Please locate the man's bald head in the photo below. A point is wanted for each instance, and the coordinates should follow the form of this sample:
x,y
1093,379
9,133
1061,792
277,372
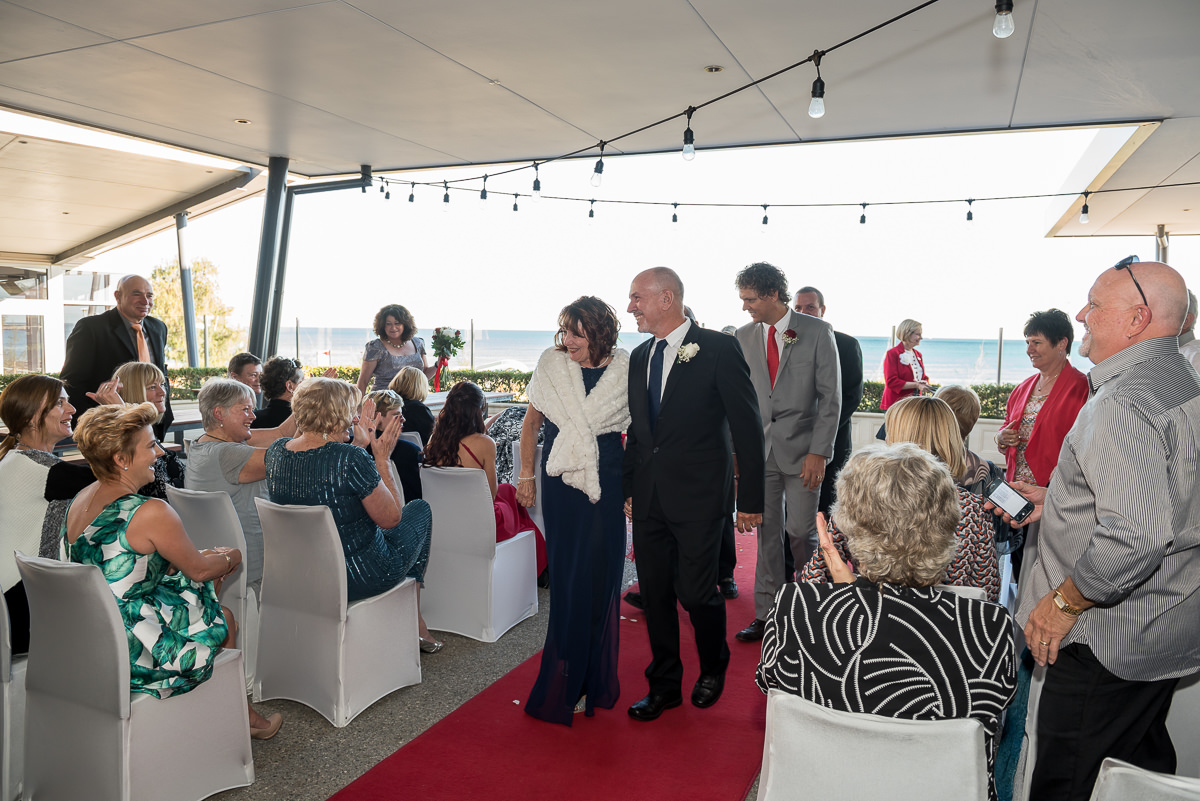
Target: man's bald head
x,y
1166,293
1115,316
656,301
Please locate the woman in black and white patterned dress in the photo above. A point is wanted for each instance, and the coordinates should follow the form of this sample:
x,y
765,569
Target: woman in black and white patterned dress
x,y
885,641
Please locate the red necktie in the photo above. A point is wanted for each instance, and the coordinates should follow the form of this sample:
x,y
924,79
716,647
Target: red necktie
x,y
772,354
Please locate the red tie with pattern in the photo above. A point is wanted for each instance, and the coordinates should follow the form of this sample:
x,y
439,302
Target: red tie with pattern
x,y
772,354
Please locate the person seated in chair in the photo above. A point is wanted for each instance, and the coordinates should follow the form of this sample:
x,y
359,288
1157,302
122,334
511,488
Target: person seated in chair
x,y
163,586
384,541
459,440
142,382
887,641
405,455
412,385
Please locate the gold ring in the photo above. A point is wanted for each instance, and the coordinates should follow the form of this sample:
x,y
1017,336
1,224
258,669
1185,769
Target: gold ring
x,y
1043,642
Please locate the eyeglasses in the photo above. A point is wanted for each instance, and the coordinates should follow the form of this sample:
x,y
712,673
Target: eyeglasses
x,y
1127,264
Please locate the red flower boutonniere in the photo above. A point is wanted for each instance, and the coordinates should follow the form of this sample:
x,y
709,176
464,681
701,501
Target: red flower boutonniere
x,y
789,337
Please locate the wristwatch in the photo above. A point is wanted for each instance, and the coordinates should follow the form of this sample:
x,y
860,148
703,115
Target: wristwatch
x,y
1062,604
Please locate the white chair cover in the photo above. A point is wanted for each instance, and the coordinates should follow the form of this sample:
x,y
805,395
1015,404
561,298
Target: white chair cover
x,y
413,437
807,753
314,647
535,511
474,586
210,521
12,697
79,706
1183,723
977,593
1120,781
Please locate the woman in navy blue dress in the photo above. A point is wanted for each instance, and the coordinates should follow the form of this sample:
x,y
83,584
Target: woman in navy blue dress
x,y
580,389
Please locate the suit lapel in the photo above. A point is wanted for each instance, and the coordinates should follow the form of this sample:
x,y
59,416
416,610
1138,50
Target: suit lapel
x,y
786,322
678,367
756,352
116,324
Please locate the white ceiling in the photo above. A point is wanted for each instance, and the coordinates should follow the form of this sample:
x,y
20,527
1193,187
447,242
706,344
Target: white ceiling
x,y
338,83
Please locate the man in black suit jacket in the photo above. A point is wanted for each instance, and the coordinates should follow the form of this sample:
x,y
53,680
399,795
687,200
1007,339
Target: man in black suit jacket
x,y
100,344
809,300
678,481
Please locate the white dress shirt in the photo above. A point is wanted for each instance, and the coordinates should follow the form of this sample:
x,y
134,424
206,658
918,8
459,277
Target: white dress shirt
x,y
670,355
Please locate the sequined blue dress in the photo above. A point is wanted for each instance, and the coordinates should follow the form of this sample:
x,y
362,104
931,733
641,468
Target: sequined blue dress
x,y
586,552
339,476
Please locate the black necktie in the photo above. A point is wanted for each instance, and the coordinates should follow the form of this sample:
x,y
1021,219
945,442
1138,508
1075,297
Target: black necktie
x,y
654,387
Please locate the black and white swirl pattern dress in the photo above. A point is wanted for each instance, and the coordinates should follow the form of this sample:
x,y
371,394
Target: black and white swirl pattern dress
x,y
894,651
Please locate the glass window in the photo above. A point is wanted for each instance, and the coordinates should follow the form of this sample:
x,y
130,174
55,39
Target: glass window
x,y
84,286
24,343
18,283
73,314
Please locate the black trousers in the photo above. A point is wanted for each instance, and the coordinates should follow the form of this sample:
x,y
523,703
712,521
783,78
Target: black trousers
x,y
677,561
1086,714
727,559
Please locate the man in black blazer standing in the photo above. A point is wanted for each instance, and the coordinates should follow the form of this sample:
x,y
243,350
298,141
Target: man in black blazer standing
x,y
689,392
100,344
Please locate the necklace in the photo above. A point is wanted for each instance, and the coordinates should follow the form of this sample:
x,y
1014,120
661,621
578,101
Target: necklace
x,y
214,436
1042,388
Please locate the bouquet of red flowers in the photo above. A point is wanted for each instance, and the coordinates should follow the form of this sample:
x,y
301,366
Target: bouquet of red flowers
x,y
447,342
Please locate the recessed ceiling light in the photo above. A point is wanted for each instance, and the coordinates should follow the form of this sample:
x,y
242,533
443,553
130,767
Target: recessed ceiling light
x,y
66,212
494,83
714,68
242,122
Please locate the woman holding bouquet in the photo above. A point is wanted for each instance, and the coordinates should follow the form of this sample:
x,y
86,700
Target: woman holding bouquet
x,y
396,346
903,368
581,389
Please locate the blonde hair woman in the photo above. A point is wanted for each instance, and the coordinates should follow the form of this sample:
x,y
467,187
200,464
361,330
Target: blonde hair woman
x,y
412,385
903,366
405,455
385,542
930,424
142,382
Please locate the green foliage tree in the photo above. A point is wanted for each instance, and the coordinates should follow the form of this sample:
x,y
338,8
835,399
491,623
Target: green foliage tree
x,y
224,339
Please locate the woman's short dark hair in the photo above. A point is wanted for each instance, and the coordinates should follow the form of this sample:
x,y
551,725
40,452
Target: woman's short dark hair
x,y
461,416
765,279
277,371
598,323
1052,324
402,315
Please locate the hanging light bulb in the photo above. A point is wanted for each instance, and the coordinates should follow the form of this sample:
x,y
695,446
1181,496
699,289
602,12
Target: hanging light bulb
x,y
537,184
412,190
387,195
445,197
1083,213
675,214
689,141
514,202
764,222
1003,27
483,194
863,219
598,172
816,107
970,216
382,184
591,209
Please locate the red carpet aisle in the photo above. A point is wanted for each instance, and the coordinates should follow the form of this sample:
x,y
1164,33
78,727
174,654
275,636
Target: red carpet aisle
x,y
489,749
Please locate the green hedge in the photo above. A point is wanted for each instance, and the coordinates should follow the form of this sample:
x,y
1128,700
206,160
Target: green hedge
x,y
992,397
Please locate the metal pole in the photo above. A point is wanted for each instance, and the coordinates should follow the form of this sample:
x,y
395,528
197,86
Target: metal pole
x,y
206,341
285,235
185,284
297,339
268,253
472,344
1162,244
1000,357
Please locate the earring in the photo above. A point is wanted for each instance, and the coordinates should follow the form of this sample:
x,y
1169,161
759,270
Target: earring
x,y
126,467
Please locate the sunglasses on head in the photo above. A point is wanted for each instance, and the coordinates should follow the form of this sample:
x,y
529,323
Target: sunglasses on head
x,y
1127,264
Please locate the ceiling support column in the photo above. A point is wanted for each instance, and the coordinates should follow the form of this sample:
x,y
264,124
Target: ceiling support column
x,y
285,234
185,287
261,320
1162,244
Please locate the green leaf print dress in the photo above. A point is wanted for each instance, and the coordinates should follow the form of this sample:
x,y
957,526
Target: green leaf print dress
x,y
174,625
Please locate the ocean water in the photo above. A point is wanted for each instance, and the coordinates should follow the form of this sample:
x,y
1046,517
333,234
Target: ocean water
x,y
960,361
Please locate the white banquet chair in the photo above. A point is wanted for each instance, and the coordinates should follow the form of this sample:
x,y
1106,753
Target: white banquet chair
x,y
87,736
1183,724
210,521
535,511
474,586
1120,781
12,697
315,647
806,745
413,437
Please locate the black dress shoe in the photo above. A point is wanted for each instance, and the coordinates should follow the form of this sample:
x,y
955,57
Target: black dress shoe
x,y
708,689
634,599
729,588
753,632
653,705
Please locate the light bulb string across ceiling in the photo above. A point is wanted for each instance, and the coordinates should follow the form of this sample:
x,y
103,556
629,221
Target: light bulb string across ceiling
x,y
817,54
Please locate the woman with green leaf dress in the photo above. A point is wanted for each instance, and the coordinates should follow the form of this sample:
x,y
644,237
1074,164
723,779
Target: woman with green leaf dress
x,y
164,587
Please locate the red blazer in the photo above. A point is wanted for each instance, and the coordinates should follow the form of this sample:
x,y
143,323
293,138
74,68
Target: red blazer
x,y
896,374
1050,428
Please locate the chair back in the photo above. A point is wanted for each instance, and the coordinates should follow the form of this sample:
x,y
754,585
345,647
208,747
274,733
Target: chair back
x,y
1183,724
1120,781
806,747
976,593
294,539
5,642
464,519
413,437
211,521
535,511
77,646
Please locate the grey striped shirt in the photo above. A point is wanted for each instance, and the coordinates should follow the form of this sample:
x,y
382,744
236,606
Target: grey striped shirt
x,y
1122,516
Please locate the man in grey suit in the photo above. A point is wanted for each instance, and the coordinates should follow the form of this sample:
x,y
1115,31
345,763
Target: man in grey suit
x,y
793,361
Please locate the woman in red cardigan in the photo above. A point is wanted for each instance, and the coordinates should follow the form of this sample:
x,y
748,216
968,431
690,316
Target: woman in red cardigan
x,y
903,367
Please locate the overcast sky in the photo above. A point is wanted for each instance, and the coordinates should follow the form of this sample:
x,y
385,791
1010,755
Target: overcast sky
x,y
351,252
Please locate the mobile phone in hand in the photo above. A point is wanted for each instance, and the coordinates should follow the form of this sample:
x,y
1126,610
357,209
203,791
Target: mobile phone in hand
x,y
1013,503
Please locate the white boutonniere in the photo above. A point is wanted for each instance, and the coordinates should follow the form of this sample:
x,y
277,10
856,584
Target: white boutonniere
x,y
789,337
686,352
